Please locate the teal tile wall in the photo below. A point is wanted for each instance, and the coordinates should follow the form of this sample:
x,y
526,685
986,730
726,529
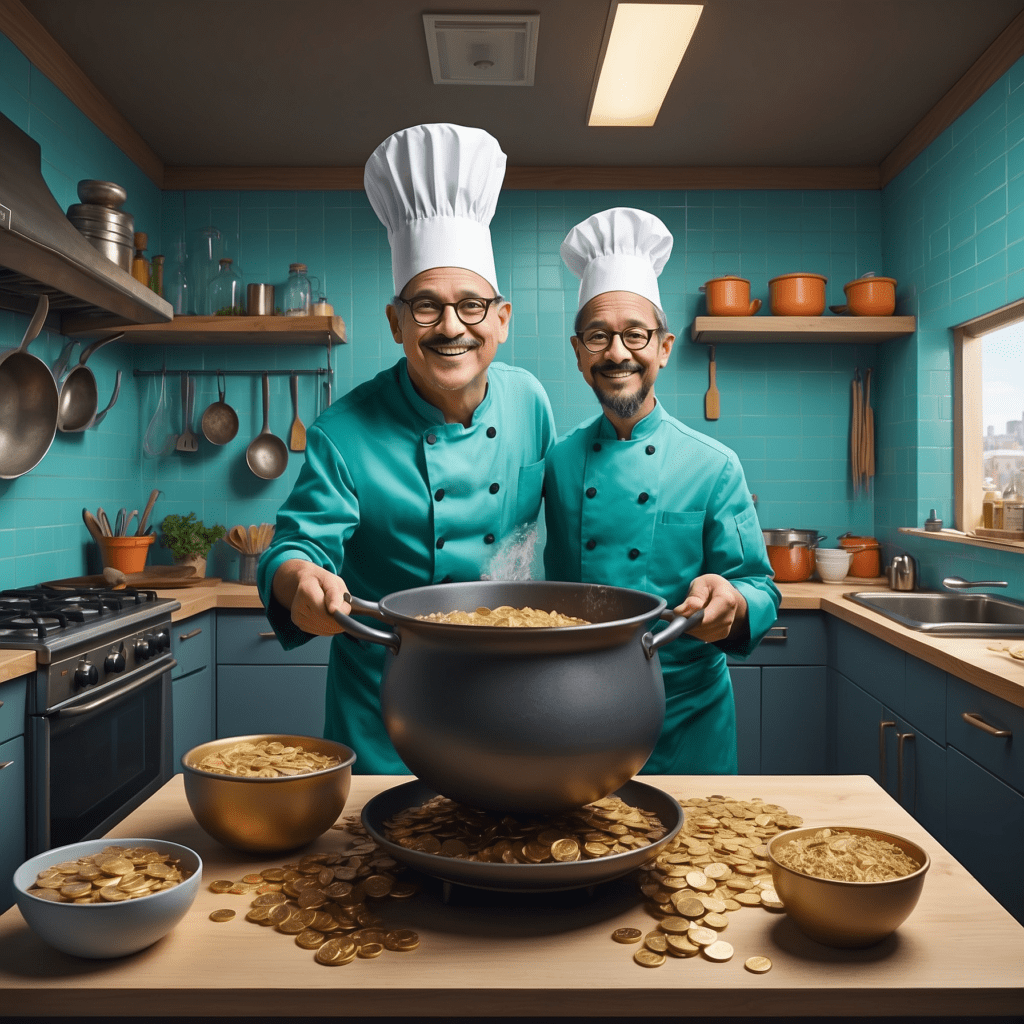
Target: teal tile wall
x,y
953,236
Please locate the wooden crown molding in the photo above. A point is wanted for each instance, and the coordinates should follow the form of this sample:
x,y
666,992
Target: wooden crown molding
x,y
29,36
46,54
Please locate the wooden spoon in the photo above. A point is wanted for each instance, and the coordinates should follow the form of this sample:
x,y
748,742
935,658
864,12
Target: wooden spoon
x,y
297,438
238,539
711,399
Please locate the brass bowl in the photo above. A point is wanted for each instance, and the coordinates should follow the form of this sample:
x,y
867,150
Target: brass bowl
x,y
847,915
268,815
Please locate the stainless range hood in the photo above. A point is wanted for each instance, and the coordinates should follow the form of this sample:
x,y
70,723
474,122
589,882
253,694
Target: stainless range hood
x,y
42,253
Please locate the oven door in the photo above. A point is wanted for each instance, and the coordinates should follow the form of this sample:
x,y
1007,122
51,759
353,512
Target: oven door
x,y
98,756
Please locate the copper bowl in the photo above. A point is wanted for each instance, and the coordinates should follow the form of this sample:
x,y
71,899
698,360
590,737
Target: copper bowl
x,y
871,296
847,915
268,815
797,294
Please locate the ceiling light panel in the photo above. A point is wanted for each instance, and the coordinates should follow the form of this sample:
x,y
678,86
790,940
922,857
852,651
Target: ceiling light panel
x,y
482,49
644,46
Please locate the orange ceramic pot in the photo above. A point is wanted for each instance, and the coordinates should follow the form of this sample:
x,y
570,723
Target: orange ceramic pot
x,y
797,295
729,296
871,296
866,551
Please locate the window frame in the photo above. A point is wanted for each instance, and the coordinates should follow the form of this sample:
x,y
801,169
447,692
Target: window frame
x,y
968,461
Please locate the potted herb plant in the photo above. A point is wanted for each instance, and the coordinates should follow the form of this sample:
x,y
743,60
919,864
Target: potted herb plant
x,y
189,541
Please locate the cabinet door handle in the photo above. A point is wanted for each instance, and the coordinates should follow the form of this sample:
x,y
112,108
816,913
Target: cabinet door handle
x,y
901,737
882,726
188,636
973,718
267,636
776,633
6,764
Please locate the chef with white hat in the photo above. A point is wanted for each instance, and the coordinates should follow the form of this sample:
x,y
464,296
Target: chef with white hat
x,y
635,498
416,476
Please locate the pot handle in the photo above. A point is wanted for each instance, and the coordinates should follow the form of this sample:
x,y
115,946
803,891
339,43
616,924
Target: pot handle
x,y
391,641
652,641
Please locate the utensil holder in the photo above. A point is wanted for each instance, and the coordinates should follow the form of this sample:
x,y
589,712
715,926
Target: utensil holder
x,y
247,563
128,554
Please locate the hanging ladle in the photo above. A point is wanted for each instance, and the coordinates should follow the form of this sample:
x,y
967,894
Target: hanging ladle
x,y
267,454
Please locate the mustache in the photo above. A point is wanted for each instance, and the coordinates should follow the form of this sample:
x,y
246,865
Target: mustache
x,y
440,339
630,365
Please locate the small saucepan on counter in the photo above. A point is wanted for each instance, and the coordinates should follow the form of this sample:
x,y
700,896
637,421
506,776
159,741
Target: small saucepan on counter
x,y
791,553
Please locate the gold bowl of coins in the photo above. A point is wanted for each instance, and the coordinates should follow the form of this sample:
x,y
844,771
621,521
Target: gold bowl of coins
x,y
267,793
846,886
105,898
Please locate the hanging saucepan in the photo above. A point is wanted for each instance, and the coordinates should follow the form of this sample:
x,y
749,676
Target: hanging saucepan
x,y
791,553
220,421
28,403
78,395
522,720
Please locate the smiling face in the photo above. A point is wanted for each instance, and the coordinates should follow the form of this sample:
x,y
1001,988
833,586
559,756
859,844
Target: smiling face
x,y
448,361
623,380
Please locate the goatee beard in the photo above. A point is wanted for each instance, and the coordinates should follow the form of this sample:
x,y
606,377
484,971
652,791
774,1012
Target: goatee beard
x,y
624,406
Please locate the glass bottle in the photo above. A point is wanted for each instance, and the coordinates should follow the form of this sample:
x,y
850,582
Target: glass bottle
x,y
176,290
298,294
206,246
140,265
227,296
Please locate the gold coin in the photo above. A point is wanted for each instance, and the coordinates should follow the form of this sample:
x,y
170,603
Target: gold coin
x,y
53,895
369,950
112,894
378,886
362,936
401,940
716,921
252,879
222,915
717,870
648,958
565,850
627,935
702,936
680,945
335,953
596,849
655,941
719,951
258,914
403,890
221,885
279,913
748,899
691,907
309,938
269,899
758,964
770,898
75,889
116,866
158,870
731,904
674,925
712,903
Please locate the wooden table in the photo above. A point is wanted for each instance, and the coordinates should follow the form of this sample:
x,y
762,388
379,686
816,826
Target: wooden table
x,y
958,954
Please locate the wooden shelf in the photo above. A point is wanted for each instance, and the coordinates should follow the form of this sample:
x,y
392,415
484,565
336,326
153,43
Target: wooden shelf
x,y
855,330
977,540
235,330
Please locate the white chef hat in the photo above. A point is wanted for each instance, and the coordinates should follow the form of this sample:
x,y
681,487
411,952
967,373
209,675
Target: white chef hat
x,y
618,250
435,187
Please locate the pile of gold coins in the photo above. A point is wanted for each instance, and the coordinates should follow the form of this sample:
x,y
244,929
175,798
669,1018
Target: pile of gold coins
x,y
116,873
327,901
265,759
716,865
506,615
600,829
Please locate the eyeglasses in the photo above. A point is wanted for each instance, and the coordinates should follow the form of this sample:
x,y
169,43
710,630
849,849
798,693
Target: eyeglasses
x,y
634,338
427,312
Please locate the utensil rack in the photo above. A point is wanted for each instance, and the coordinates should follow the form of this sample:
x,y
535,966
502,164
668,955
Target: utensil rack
x,y
319,372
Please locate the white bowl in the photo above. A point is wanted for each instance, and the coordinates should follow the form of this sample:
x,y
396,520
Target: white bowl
x,y
832,564
101,930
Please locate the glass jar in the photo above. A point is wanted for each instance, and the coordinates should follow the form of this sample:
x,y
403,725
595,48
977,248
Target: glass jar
x,y
992,497
176,281
298,293
227,296
206,246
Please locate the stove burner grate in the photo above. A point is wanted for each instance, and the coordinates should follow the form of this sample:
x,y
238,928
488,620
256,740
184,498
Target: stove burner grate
x,y
44,611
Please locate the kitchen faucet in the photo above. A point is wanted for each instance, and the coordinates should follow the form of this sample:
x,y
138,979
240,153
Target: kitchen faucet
x,y
959,583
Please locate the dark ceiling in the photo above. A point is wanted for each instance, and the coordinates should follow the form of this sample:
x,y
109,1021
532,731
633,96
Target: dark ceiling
x,y
321,82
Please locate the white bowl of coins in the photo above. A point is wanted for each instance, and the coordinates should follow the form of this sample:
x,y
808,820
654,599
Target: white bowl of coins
x,y
267,793
107,897
847,886
521,697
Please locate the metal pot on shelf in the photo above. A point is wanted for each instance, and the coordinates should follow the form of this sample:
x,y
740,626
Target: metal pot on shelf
x,y
791,553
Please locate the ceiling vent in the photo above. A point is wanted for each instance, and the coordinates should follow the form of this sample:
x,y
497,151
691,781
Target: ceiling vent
x,y
482,49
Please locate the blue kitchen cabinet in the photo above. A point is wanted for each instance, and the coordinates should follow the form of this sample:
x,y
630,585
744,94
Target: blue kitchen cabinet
x,y
985,789
12,784
780,693
262,688
193,683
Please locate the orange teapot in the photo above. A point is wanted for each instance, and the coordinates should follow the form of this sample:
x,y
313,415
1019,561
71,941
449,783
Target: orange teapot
x,y
729,296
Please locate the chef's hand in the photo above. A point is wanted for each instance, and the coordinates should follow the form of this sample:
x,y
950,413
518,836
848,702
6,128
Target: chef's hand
x,y
312,595
725,608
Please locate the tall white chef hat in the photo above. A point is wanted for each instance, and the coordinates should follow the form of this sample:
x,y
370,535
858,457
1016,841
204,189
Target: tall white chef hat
x,y
618,250
435,187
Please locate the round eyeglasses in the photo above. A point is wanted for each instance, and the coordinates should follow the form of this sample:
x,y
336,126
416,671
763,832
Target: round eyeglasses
x,y
427,312
634,338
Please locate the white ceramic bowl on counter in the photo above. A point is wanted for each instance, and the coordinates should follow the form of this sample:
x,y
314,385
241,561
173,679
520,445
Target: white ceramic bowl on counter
x,y
102,930
832,564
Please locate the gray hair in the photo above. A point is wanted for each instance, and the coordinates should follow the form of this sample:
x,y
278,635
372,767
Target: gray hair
x,y
659,318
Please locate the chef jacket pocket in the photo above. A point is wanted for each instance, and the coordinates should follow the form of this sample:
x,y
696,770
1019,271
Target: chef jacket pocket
x,y
678,552
750,536
531,481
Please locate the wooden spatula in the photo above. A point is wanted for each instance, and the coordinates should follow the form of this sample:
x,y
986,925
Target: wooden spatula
x,y
711,403
297,438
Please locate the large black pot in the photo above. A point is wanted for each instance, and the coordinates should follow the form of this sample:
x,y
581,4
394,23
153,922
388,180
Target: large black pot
x,y
522,720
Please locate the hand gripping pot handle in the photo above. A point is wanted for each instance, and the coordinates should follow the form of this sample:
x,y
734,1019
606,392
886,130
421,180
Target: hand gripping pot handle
x,y
391,641
680,624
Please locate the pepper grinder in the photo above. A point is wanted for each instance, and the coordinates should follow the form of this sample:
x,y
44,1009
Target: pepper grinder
x,y
933,524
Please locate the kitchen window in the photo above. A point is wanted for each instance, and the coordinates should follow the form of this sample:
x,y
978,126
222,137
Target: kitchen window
x,y
988,408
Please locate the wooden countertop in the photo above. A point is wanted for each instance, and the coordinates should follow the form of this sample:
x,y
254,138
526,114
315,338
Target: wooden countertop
x,y
959,953
994,671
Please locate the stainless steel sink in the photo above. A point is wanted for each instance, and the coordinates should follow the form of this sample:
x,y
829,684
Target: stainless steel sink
x,y
940,614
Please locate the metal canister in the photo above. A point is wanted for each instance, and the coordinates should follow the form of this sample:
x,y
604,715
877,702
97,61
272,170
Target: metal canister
x,y
109,231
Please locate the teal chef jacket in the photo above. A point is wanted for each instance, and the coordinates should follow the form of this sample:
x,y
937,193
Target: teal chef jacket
x,y
390,498
652,513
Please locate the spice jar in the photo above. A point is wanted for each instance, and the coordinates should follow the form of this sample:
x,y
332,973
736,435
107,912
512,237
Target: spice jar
x,y
226,297
298,293
992,498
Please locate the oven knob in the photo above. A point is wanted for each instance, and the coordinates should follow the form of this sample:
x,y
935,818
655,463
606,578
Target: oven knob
x,y
86,674
142,650
114,662
159,641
